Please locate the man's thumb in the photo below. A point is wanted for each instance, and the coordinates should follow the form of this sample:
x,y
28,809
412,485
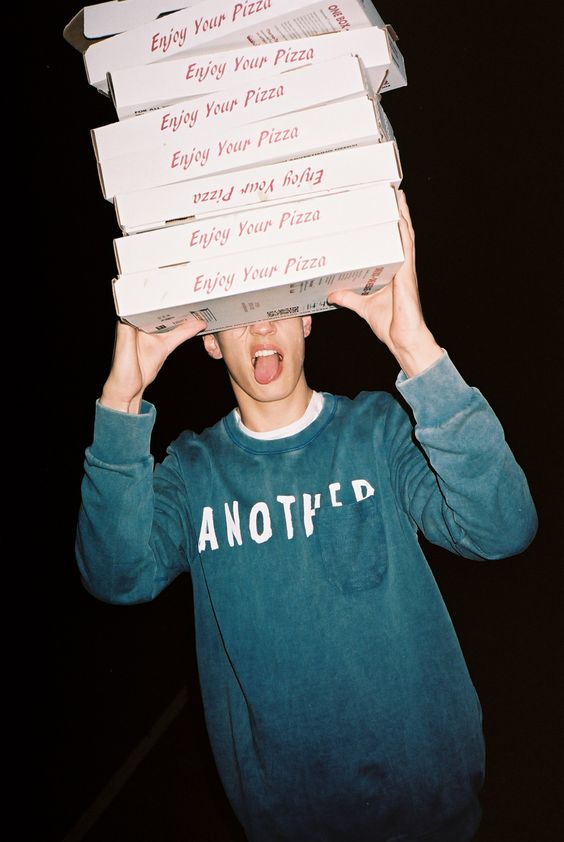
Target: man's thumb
x,y
346,298
185,330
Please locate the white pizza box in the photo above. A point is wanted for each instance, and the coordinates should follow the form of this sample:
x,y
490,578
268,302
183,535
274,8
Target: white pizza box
x,y
354,122
317,174
215,195
208,115
114,16
275,282
224,24
135,90
257,227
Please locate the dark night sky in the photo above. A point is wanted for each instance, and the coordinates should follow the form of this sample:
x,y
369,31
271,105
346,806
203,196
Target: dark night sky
x,y
479,134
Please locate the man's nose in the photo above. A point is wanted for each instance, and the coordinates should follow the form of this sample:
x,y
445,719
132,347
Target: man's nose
x,y
263,328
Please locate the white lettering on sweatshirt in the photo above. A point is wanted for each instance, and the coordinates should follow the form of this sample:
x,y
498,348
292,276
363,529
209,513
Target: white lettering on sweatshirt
x,y
258,524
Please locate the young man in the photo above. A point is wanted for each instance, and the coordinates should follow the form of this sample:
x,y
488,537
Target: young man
x,y
338,703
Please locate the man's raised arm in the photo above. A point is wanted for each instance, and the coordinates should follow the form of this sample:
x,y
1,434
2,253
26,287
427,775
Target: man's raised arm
x,y
132,538
462,487
138,358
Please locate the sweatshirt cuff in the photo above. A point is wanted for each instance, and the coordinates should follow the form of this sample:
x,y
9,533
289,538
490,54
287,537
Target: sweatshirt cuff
x,y
120,438
437,394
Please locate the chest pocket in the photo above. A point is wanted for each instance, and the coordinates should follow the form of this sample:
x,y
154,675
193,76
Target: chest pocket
x,y
351,542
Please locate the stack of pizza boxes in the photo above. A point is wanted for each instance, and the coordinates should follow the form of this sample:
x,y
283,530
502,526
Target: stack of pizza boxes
x,y
252,168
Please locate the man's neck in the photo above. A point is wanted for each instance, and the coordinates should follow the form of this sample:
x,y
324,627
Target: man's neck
x,y
262,416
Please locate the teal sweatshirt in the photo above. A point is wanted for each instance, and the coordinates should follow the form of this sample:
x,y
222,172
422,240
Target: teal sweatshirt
x,y
338,702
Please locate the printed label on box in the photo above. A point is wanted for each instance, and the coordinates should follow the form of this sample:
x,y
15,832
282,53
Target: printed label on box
x,y
334,79
313,217
272,304
198,285
352,122
139,89
233,24
202,197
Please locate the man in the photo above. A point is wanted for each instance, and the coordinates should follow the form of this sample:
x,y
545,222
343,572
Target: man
x,y
337,700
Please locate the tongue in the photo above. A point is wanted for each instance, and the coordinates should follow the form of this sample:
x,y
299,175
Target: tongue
x,y
267,368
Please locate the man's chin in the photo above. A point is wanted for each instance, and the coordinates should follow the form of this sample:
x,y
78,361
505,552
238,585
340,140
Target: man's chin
x,y
270,392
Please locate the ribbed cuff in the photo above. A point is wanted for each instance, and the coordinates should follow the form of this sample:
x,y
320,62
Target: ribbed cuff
x,y
120,438
437,394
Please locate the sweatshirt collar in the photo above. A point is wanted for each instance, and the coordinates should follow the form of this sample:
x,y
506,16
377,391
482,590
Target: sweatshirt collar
x,y
287,443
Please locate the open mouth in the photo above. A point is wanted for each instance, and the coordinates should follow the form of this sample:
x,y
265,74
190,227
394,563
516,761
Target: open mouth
x,y
267,364
266,353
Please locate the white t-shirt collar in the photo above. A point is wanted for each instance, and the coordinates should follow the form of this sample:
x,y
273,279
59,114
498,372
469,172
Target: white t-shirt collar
x,y
314,407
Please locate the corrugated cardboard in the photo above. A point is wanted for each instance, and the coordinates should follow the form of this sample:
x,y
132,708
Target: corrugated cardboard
x,y
268,283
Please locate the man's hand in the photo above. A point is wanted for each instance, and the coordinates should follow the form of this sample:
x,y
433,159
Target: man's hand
x,y
138,358
394,313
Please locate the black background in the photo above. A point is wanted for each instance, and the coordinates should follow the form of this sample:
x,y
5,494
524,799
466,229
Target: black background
x,y
479,133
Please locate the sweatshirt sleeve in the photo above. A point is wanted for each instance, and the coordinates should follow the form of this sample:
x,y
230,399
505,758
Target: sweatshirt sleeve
x,y
462,487
133,536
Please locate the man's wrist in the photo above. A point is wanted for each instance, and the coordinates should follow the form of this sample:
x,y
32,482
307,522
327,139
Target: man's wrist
x,y
419,356
120,404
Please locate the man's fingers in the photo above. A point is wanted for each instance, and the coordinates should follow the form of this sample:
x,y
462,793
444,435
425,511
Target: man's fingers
x,y
406,237
124,331
406,272
404,211
125,338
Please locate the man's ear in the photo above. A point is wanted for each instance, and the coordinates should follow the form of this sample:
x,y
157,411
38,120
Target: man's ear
x,y
306,321
212,346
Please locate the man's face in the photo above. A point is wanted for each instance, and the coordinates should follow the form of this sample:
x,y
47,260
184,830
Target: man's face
x,y
264,360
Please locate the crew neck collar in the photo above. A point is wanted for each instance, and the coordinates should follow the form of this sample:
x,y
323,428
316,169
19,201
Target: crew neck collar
x,y
314,407
287,443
